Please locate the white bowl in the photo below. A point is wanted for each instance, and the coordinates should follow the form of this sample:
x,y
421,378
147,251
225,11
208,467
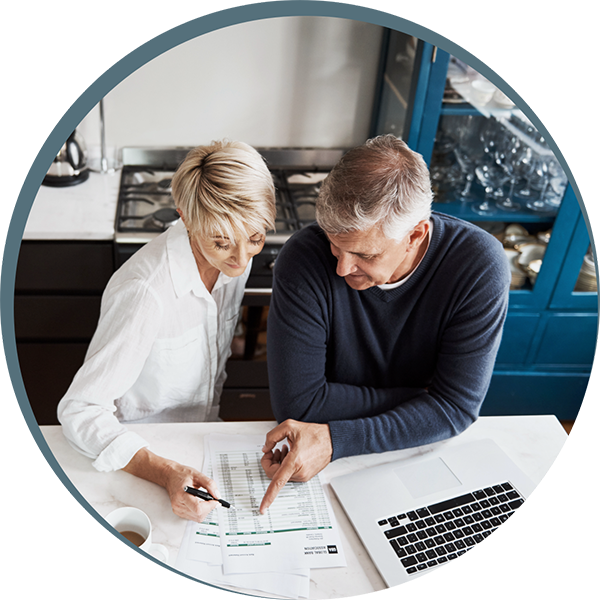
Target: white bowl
x,y
531,252
501,99
482,90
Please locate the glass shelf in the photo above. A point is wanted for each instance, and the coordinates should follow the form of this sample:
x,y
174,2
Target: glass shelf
x,y
463,210
469,109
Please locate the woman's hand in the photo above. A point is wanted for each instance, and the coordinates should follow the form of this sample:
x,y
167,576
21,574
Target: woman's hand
x,y
184,505
174,477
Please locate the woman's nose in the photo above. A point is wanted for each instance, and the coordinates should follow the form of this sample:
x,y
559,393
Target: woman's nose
x,y
242,255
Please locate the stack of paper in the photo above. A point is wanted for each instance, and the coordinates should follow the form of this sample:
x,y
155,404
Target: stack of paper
x,y
271,553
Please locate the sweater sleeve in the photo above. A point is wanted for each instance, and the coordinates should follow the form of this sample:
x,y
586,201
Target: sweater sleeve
x,y
365,419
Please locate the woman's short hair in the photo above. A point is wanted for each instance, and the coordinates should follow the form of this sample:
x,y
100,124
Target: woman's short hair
x,y
225,189
380,183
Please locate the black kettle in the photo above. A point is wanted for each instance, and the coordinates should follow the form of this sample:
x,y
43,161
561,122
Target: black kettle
x,y
69,166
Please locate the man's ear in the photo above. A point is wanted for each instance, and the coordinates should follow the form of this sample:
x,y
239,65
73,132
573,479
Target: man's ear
x,y
418,234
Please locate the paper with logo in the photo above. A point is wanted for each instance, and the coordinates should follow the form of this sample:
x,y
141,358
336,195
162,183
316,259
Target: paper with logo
x,y
200,557
299,530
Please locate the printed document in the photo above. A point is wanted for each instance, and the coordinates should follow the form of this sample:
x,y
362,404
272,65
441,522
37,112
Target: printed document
x,y
299,529
197,560
200,557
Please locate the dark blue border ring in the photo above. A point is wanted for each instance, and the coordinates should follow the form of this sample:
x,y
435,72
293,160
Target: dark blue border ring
x,y
87,100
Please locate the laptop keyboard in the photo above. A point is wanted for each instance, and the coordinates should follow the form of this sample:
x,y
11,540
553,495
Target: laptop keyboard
x,y
432,535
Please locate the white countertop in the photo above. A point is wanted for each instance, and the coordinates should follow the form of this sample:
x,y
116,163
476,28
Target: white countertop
x,y
532,442
85,211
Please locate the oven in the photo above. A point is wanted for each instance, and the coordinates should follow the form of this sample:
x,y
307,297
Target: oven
x,y
145,208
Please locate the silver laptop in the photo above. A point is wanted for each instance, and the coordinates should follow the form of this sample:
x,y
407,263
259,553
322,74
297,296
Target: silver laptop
x,y
417,514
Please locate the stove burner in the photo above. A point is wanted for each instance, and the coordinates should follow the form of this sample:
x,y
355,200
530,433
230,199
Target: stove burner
x,y
165,217
146,204
132,199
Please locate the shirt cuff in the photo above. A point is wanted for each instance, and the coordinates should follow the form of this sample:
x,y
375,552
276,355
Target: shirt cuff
x,y
119,452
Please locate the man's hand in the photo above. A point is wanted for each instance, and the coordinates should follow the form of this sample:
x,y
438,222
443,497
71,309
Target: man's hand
x,y
174,477
309,452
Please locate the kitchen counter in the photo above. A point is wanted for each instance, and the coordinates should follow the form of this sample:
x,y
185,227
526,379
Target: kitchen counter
x,y
532,442
85,211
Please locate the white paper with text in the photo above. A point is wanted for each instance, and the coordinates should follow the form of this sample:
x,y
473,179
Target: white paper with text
x,y
299,530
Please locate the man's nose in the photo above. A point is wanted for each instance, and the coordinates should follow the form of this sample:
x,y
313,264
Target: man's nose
x,y
345,265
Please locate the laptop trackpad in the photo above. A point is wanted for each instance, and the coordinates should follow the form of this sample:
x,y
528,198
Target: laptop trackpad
x,y
428,477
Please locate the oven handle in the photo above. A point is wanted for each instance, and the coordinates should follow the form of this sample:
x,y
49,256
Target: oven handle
x,y
258,291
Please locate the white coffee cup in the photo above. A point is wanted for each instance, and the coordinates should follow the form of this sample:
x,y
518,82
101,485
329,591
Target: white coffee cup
x,y
134,525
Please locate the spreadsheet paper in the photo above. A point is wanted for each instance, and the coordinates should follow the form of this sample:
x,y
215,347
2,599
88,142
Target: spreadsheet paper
x,y
299,529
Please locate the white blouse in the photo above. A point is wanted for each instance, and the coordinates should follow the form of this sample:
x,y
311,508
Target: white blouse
x,y
158,353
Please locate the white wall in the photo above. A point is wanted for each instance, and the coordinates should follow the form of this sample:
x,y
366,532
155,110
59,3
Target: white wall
x,y
289,81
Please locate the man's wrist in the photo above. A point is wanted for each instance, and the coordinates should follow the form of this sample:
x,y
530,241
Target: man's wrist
x,y
329,440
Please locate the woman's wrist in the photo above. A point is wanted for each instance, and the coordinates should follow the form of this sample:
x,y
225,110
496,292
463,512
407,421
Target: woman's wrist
x,y
149,466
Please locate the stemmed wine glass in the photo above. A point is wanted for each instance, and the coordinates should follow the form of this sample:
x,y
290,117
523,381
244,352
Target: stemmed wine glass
x,y
527,168
542,176
468,169
518,164
558,182
444,171
487,176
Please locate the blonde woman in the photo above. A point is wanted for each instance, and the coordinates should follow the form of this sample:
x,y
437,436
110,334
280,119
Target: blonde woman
x,y
167,321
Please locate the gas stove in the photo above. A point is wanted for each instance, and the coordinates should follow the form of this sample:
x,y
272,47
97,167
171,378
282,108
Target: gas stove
x,y
145,206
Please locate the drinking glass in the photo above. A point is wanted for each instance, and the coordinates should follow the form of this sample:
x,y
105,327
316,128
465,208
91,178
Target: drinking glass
x,y
540,179
518,164
467,167
485,174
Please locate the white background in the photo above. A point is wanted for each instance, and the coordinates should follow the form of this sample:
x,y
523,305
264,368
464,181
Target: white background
x,y
41,45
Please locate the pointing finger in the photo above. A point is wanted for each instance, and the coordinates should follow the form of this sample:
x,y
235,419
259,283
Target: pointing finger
x,y
280,478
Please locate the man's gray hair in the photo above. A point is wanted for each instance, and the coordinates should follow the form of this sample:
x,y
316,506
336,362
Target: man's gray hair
x,y
380,183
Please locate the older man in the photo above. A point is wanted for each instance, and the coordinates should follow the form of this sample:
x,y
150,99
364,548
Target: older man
x,y
385,318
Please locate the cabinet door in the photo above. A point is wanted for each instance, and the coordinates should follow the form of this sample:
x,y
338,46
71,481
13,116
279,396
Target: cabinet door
x,y
531,393
402,87
489,165
52,267
577,285
47,370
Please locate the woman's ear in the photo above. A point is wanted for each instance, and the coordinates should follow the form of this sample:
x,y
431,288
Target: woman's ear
x,y
181,215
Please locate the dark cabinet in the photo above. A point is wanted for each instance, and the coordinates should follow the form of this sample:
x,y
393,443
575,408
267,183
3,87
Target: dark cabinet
x,y
58,288
58,292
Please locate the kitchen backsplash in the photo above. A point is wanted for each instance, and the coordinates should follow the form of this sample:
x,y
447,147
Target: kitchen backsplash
x,y
289,81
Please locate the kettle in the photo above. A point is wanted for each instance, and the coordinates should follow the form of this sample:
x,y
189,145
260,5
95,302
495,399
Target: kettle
x,y
69,166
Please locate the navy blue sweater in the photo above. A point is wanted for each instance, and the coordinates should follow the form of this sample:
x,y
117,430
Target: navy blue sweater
x,y
387,369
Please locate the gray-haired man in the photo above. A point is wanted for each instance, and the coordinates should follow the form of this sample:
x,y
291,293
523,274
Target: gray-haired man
x,y
385,318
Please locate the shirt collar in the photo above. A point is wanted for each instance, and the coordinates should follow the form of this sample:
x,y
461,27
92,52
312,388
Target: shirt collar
x,y
391,286
182,264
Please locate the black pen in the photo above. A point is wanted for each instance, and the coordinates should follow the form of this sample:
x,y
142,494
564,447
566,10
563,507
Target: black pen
x,y
206,496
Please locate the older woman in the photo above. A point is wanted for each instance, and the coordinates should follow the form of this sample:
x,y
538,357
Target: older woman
x,y
167,321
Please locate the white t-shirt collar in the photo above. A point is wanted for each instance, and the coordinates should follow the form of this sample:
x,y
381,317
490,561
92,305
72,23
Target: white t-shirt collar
x,y
391,286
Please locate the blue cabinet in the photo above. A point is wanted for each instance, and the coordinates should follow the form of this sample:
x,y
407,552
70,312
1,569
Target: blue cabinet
x,y
491,166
